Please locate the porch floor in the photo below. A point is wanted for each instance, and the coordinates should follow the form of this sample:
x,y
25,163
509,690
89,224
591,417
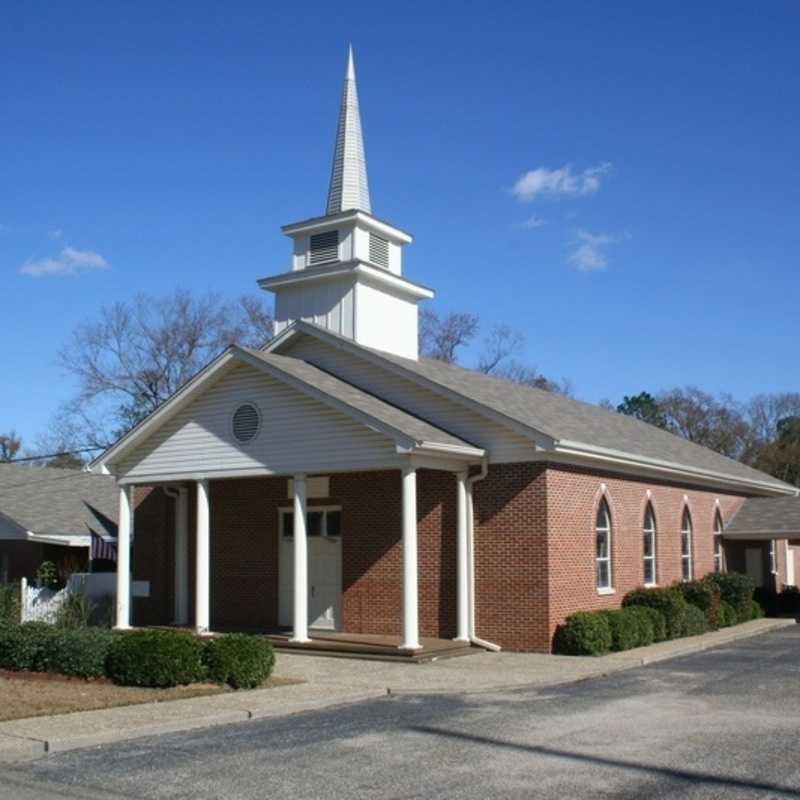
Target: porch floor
x,y
370,646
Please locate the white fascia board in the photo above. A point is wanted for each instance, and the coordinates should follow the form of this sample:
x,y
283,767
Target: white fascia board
x,y
64,540
317,224
164,412
356,269
540,439
622,458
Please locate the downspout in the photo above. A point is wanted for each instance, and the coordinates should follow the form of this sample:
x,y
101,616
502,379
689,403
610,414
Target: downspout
x,y
470,482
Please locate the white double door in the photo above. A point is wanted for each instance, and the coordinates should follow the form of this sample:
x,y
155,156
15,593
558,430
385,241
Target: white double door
x,y
324,582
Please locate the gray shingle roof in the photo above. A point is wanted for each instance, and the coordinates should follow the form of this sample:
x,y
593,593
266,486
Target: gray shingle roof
x,y
413,427
566,419
777,515
58,501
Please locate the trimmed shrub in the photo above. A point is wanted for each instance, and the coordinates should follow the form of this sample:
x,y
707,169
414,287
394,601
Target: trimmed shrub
x,y
705,595
584,634
24,647
727,615
695,621
668,600
241,661
645,620
81,653
624,629
9,603
756,611
735,589
155,658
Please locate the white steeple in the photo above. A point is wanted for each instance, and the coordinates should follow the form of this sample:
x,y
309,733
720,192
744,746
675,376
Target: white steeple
x,y
347,266
349,189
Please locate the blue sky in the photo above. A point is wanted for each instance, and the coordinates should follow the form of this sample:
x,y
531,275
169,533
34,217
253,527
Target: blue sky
x,y
619,181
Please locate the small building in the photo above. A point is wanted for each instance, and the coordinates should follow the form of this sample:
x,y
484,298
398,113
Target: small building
x,y
336,481
64,516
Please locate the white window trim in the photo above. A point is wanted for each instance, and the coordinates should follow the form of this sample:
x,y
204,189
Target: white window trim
x,y
284,510
687,527
607,559
773,557
719,555
654,558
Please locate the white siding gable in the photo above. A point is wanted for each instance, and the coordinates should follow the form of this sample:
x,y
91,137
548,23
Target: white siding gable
x,y
297,433
504,444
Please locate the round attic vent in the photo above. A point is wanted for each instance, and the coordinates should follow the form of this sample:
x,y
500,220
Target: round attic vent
x,y
246,422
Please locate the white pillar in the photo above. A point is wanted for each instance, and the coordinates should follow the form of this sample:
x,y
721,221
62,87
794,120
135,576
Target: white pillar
x,y
202,620
462,560
410,579
300,633
123,620
182,557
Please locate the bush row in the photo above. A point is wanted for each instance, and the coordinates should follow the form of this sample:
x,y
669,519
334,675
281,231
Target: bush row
x,y
140,658
661,613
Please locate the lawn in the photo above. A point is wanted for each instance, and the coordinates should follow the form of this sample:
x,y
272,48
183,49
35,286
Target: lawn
x,y
37,695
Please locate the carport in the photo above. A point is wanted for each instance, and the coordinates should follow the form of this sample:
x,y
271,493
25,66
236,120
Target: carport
x,y
755,535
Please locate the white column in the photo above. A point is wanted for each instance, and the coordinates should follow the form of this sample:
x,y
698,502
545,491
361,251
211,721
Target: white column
x,y
182,557
300,633
462,560
123,620
410,579
202,620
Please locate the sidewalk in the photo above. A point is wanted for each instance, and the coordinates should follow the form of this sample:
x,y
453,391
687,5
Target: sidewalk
x,y
335,681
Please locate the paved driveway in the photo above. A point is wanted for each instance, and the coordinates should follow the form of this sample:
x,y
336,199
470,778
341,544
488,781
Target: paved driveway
x,y
723,723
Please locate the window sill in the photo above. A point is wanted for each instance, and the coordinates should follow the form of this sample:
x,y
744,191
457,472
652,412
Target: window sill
x,y
651,586
606,591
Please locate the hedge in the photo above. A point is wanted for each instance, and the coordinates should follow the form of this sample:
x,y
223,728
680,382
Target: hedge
x,y
24,647
241,661
736,590
647,620
695,621
705,595
727,615
668,600
625,629
80,653
155,658
584,633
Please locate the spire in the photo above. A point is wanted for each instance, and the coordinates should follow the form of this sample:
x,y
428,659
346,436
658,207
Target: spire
x,y
349,189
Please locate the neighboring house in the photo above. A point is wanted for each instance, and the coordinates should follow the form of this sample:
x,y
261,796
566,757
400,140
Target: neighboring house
x,y
337,481
65,516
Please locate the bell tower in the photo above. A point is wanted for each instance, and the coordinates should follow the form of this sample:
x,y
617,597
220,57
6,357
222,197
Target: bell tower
x,y
347,266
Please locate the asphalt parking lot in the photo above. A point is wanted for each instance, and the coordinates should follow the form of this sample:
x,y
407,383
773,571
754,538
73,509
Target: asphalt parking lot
x,y
721,723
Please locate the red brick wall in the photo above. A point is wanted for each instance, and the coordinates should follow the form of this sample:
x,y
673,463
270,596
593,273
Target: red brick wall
x,y
572,499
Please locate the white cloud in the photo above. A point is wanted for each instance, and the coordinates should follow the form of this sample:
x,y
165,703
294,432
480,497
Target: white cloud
x,y
533,222
590,254
69,262
559,182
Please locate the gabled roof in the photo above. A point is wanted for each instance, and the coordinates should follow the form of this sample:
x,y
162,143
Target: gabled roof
x,y
408,431
58,502
766,517
573,425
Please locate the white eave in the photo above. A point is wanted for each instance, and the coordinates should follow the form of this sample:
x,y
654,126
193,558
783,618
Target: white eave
x,y
319,224
62,539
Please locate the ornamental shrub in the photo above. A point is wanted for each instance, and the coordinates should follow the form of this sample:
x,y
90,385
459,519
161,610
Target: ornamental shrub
x,y
241,661
9,603
24,647
624,629
81,652
735,589
658,620
695,621
727,615
705,595
584,633
155,658
645,620
668,600
756,610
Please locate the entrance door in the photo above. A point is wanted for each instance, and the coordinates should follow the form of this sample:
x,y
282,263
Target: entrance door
x,y
324,569
754,564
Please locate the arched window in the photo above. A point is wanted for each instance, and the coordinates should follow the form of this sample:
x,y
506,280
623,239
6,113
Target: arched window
x,y
603,538
718,559
649,530
686,545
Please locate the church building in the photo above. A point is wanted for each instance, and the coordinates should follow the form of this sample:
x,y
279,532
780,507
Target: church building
x,y
335,487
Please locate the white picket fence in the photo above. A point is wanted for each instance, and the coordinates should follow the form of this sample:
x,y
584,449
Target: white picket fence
x,y
39,604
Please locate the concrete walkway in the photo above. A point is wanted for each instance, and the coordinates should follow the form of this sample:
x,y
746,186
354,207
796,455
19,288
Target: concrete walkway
x,y
334,681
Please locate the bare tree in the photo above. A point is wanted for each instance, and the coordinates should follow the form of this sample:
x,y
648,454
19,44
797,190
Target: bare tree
x,y
441,337
138,354
10,444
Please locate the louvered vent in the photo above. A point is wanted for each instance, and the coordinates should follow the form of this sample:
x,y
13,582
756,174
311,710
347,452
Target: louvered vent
x,y
378,251
246,422
324,247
